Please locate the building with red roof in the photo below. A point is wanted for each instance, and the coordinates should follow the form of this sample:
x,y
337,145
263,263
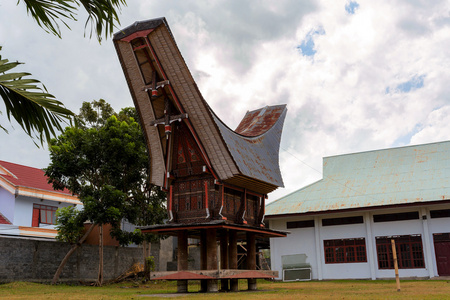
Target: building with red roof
x,y
28,203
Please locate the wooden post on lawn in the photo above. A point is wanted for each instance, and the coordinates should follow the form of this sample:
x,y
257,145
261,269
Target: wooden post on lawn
x,y
394,255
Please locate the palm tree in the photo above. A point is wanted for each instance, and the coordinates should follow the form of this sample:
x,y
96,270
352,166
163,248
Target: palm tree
x,y
26,100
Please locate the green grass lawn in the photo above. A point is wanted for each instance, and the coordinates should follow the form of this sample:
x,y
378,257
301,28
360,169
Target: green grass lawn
x,y
336,289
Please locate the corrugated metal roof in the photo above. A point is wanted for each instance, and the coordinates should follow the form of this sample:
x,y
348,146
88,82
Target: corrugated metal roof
x,y
406,175
257,156
259,121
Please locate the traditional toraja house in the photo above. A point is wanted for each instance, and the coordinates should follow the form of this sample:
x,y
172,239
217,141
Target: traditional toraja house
x,y
217,179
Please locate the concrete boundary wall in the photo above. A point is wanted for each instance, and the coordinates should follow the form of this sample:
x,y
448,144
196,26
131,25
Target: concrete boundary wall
x,y
37,260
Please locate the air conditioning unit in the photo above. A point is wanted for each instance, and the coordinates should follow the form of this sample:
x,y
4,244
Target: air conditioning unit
x,y
297,274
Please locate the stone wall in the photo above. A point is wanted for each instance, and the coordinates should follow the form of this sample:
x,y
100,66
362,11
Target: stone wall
x,y
37,260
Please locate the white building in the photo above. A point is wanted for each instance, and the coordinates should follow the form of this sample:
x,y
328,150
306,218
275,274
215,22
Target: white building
x,y
28,203
342,225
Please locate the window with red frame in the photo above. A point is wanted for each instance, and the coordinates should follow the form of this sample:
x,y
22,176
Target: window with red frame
x,y
409,252
345,251
43,214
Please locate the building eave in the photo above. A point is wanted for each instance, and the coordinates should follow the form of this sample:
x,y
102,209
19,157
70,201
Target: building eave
x,y
25,191
359,209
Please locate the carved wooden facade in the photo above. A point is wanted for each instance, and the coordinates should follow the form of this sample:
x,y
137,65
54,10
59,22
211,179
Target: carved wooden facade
x,y
195,196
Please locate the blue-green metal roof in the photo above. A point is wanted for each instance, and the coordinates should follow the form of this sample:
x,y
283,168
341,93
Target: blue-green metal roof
x,y
406,175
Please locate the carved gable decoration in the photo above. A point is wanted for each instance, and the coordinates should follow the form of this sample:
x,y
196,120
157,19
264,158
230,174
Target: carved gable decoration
x,y
187,160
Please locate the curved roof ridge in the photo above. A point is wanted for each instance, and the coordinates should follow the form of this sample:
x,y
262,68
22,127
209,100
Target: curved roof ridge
x,y
267,128
259,121
256,156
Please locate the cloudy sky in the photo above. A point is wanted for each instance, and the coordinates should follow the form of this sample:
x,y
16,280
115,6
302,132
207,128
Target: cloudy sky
x,y
356,75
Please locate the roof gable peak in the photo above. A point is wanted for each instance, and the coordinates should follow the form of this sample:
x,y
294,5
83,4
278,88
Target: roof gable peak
x,y
5,171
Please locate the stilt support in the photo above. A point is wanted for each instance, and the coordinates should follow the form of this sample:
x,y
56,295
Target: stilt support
x,y
203,260
211,262
251,258
182,285
224,259
233,263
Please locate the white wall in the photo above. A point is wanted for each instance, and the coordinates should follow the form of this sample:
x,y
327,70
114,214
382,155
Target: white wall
x,y
299,241
7,204
439,225
23,212
407,227
303,241
347,270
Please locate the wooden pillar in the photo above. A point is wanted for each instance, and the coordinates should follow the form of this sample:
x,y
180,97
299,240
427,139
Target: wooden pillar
x,y
394,256
224,258
211,254
203,259
182,257
251,258
233,259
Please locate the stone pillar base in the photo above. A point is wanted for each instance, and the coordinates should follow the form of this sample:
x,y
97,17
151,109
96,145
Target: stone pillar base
x,y
182,286
234,285
252,285
224,285
203,285
212,286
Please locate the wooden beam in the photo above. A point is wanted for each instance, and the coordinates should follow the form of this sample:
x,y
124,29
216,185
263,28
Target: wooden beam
x,y
173,118
218,274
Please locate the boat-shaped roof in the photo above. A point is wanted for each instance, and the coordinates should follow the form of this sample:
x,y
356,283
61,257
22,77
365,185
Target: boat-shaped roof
x,y
246,157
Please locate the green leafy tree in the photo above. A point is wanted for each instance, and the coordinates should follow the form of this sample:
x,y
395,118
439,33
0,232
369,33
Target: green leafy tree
x,y
26,100
69,223
95,114
106,165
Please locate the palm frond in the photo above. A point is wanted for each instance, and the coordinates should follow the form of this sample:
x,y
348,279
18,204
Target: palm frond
x,y
102,14
47,13
35,110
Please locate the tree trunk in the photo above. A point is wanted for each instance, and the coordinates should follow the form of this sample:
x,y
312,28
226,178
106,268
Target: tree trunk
x,y
147,251
100,257
146,271
71,251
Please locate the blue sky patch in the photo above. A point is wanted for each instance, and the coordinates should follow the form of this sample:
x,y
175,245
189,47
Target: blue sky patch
x,y
351,7
413,84
307,45
406,139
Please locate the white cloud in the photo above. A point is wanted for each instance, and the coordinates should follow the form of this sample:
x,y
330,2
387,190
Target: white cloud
x,y
435,127
243,55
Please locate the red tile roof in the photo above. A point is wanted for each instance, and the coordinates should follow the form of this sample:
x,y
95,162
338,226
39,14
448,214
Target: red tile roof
x,y
25,176
4,220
